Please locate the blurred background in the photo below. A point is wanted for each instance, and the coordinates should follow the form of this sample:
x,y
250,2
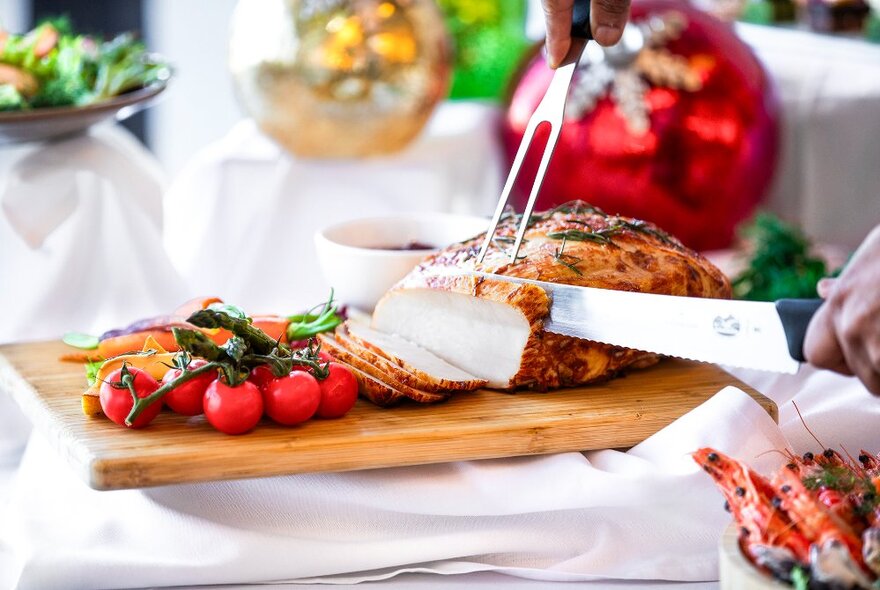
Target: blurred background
x,y
281,118
194,35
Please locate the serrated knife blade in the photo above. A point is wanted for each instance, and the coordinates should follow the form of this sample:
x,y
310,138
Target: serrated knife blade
x,y
757,335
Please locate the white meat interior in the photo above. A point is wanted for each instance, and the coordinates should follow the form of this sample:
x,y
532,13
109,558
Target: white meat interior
x,y
417,357
483,337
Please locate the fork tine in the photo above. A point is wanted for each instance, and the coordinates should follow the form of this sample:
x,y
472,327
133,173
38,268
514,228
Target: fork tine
x,y
550,110
508,185
536,188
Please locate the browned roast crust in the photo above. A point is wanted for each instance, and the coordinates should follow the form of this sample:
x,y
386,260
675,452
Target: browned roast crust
x,y
382,371
620,253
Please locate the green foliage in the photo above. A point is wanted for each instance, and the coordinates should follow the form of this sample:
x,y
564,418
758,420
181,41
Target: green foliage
x,y
307,325
78,69
92,368
489,40
65,80
781,265
10,99
800,578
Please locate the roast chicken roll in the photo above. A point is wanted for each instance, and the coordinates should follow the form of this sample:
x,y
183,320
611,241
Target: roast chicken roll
x,y
493,330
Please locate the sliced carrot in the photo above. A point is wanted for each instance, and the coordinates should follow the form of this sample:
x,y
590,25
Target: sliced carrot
x,y
218,335
194,305
91,405
134,342
274,326
46,42
78,357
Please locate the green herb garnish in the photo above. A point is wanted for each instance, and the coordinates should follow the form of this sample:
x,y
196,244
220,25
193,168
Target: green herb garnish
x,y
602,236
92,368
800,578
560,257
307,325
835,477
781,265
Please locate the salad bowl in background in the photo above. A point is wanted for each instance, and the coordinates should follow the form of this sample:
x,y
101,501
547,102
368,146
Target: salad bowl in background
x,y
55,122
56,82
363,258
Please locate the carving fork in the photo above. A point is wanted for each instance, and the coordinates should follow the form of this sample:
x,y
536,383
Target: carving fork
x,y
550,110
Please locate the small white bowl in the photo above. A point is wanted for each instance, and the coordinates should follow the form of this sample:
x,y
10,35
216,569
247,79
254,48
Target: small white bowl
x,y
359,259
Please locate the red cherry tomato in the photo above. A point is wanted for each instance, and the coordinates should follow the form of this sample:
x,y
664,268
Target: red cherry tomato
x,y
233,410
261,376
116,402
339,392
186,399
293,399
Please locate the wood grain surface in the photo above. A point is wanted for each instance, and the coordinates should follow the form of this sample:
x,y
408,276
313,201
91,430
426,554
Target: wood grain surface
x,y
479,425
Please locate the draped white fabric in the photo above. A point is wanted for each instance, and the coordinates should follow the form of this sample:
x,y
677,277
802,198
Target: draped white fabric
x,y
647,514
240,218
81,236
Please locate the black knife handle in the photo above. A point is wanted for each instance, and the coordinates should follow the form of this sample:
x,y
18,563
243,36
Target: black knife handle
x,y
796,315
580,20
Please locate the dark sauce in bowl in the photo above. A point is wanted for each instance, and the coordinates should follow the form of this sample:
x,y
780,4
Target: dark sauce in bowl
x,y
412,245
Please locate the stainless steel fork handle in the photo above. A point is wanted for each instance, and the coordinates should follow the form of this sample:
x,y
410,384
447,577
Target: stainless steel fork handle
x,y
550,111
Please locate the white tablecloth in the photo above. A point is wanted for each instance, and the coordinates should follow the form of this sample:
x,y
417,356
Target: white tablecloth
x,y
81,236
643,515
80,249
240,218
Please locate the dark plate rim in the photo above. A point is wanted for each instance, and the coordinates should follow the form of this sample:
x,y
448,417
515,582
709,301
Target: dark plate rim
x,y
117,102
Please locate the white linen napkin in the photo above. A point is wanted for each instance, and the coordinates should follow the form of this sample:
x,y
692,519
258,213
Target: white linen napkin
x,y
647,514
80,236
80,249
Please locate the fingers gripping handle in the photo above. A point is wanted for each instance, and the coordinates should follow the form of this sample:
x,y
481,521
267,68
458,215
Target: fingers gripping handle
x,y
580,20
796,315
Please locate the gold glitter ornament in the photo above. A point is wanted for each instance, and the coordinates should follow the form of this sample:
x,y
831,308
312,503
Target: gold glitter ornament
x,y
339,78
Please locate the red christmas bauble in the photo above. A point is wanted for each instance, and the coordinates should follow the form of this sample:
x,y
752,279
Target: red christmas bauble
x,y
684,134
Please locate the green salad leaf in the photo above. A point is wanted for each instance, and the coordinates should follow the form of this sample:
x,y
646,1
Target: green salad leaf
x,y
92,368
71,69
80,340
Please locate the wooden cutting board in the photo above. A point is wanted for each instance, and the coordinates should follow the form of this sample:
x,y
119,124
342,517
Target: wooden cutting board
x,y
479,425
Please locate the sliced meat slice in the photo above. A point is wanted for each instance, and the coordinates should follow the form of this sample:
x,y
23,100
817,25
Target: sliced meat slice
x,y
393,378
407,355
486,338
376,391
418,380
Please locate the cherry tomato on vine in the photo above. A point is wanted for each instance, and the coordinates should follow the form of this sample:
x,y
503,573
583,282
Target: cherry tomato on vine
x,y
261,376
116,401
339,392
186,399
292,399
323,358
233,410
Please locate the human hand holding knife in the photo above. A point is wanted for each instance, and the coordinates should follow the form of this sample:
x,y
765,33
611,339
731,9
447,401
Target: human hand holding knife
x,y
843,334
